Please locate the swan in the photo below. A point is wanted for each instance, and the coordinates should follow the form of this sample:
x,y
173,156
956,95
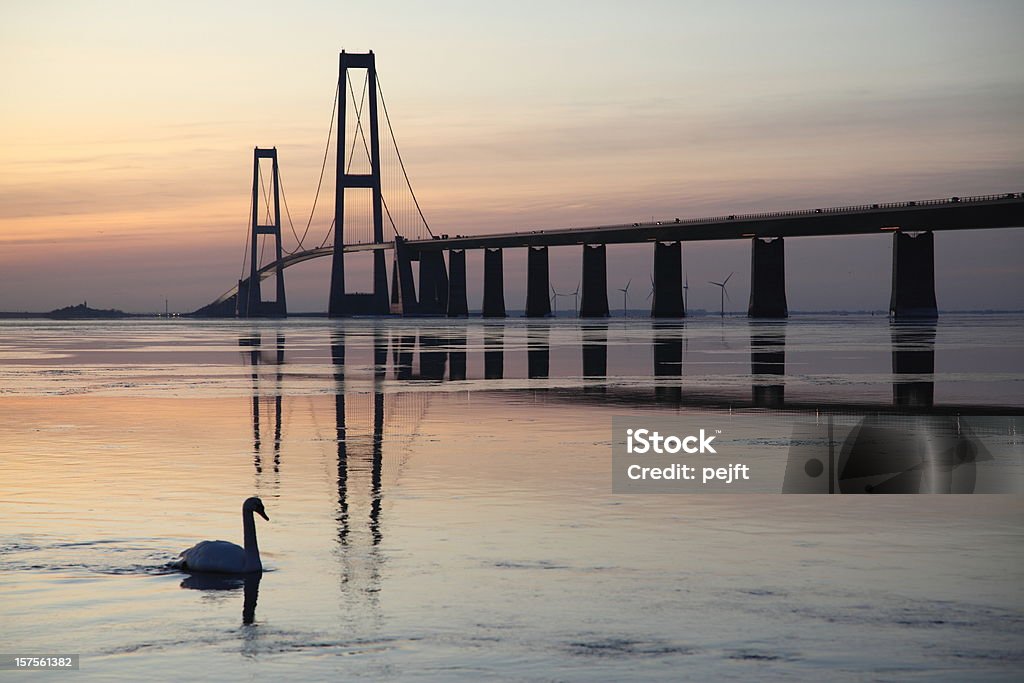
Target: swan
x,y
224,557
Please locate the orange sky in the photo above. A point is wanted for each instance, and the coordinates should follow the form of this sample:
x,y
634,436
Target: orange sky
x,y
127,133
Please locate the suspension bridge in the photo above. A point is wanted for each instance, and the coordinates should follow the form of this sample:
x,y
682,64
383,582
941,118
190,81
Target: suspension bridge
x,y
376,210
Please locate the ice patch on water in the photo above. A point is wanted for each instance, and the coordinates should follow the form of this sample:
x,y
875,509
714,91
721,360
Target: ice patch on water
x,y
119,557
626,647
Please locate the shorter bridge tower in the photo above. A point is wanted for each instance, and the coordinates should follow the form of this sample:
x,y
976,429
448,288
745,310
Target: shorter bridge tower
x,y
250,301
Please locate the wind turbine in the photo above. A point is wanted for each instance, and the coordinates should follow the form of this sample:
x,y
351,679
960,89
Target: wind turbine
x,y
625,294
686,286
555,294
724,293
554,300
576,298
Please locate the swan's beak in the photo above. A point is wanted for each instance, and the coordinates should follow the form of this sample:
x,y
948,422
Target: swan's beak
x,y
263,514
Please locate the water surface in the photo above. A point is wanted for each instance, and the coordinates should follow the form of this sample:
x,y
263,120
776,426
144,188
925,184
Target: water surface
x,y
441,505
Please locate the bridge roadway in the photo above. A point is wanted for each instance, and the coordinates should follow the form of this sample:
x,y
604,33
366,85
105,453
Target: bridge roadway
x,y
988,211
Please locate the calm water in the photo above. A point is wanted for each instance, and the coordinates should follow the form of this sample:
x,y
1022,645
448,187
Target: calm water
x,y
441,507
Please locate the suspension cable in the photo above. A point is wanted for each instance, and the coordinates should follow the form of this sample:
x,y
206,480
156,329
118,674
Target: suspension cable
x,y
400,162
366,147
323,166
359,127
266,197
288,213
248,229
330,231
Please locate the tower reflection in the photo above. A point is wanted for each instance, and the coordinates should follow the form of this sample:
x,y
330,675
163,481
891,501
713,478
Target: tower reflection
x,y
257,357
358,455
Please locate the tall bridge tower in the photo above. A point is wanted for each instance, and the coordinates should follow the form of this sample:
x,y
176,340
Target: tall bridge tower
x,y
343,303
250,301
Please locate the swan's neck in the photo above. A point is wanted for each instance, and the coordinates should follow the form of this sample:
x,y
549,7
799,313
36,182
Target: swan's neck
x,y
252,549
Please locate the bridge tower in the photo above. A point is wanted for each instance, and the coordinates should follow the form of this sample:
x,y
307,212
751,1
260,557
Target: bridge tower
x,y
250,301
342,303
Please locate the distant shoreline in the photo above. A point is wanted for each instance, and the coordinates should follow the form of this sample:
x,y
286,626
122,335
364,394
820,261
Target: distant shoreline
x,y
637,313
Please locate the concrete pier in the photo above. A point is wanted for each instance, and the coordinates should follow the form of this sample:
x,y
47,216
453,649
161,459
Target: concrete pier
x,y
594,299
458,305
538,303
767,279
433,299
242,299
494,284
913,276
403,289
667,301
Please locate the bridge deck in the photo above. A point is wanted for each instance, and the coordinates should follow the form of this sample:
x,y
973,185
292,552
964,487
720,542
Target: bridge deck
x,y
990,211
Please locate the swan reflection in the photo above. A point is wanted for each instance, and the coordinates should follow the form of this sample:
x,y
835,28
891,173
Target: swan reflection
x,y
250,584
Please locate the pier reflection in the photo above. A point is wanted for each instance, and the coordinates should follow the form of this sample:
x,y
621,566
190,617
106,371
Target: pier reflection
x,y
457,357
668,361
767,360
913,353
595,354
538,351
494,351
859,456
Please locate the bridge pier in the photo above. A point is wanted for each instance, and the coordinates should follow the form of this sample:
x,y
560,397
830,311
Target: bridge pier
x,y
494,284
403,288
458,305
667,300
594,299
913,276
242,299
767,279
538,303
433,284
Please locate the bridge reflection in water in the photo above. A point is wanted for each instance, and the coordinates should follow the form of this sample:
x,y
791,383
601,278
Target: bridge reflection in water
x,y
369,421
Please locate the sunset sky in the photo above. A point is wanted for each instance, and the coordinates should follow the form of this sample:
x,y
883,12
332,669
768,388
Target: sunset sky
x,y
126,134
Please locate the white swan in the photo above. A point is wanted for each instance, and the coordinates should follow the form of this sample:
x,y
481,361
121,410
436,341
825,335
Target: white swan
x,y
224,557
